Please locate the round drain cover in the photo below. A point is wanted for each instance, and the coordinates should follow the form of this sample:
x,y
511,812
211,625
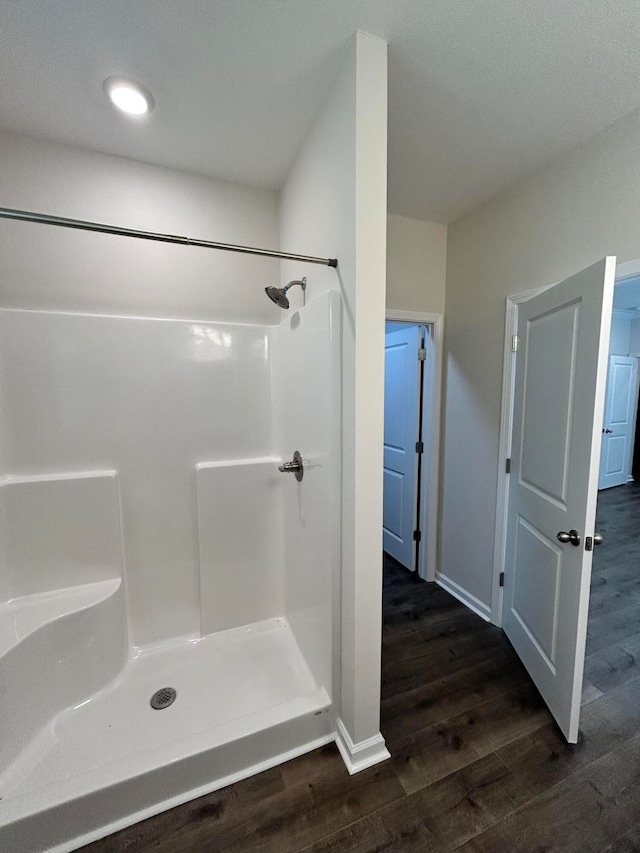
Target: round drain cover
x,y
163,698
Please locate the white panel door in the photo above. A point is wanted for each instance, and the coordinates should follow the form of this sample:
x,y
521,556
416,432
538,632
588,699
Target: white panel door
x,y
618,426
401,424
561,368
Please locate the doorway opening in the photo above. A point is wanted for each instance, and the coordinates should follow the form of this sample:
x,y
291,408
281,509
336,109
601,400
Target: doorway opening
x,y
617,457
613,641
413,369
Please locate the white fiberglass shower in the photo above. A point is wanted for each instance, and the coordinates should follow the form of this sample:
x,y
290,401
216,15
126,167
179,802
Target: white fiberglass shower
x,y
150,541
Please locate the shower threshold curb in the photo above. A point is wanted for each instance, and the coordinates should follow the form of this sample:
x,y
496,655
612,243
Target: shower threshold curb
x,y
64,820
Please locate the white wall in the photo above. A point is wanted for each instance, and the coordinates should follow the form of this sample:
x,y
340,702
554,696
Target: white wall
x,y
64,270
619,340
334,205
581,207
416,264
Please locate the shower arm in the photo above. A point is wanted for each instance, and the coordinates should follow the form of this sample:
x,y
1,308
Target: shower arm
x,y
82,225
303,285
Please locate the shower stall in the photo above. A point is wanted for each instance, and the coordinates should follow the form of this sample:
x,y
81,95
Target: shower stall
x,y
169,592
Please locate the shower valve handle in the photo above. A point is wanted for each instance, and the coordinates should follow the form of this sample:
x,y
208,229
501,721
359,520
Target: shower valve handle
x,y
295,467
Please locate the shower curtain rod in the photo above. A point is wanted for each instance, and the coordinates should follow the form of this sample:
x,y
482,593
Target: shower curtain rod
x,y
45,219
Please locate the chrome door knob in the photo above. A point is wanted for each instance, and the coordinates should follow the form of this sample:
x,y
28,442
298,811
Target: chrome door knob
x,y
572,536
598,539
295,467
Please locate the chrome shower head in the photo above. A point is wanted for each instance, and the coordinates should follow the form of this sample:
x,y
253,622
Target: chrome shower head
x,y
279,294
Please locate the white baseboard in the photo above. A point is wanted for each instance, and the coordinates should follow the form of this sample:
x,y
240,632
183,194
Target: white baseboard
x,y
359,756
465,597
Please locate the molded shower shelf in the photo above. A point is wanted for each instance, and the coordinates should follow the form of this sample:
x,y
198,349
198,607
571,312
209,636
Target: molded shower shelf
x,y
245,698
23,616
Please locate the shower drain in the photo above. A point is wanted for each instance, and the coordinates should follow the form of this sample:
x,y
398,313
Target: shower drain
x,y
163,698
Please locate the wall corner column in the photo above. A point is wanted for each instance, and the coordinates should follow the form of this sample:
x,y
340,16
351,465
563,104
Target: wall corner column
x,y
358,737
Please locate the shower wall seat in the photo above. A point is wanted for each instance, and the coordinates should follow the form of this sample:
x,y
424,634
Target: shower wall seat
x,y
63,630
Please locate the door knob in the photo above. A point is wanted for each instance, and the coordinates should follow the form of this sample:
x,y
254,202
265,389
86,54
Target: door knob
x,y
607,431
598,539
572,536
295,467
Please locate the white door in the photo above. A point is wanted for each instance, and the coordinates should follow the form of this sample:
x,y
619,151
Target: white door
x,y
618,426
401,425
561,370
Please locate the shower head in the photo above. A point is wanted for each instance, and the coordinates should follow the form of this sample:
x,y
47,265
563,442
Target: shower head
x,y
279,294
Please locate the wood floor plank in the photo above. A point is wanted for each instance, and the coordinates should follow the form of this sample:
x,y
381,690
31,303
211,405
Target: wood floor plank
x,y
627,843
606,598
404,641
562,821
589,692
612,628
426,666
616,777
614,664
544,758
439,750
457,807
292,819
367,835
428,756
324,763
406,713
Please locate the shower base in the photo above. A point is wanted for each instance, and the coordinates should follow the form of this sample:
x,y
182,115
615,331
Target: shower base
x,y
245,701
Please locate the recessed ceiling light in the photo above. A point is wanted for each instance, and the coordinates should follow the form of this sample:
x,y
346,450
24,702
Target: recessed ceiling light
x,y
128,96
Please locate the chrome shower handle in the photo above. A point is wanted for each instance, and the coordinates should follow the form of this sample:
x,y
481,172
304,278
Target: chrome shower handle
x,y
294,467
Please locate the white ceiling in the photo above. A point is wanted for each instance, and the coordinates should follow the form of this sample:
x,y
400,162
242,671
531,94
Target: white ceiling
x,y
480,91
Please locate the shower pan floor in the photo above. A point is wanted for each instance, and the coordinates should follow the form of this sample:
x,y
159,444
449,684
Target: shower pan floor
x,y
229,685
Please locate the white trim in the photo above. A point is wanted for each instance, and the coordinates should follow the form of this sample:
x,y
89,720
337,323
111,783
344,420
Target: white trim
x,y
359,756
432,402
465,597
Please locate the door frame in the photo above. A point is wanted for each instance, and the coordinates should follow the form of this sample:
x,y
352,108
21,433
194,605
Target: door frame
x,y
431,414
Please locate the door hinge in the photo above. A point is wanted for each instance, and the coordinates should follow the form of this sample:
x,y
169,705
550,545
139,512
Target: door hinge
x,y
508,466
501,578
419,447
422,354
514,343
417,536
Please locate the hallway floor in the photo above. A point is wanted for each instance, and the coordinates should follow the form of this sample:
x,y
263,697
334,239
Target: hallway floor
x,y
477,763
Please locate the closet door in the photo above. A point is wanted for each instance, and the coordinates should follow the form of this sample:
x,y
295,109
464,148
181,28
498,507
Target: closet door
x,y
401,426
618,426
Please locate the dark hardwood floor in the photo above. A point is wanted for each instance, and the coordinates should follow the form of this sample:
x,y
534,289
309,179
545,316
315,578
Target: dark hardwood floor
x,y
477,763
